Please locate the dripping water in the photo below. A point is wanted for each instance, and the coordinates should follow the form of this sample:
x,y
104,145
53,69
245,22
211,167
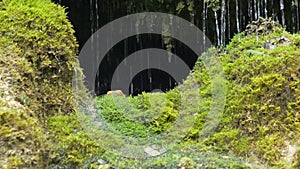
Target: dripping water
x,y
265,8
282,12
91,16
293,17
255,11
237,16
76,80
258,8
223,22
204,18
217,27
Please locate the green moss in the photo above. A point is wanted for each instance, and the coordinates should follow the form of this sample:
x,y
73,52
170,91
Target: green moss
x,y
262,108
39,127
73,147
41,56
37,58
23,143
263,85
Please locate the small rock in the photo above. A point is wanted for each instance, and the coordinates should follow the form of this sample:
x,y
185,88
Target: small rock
x,y
269,45
105,166
151,151
115,93
100,161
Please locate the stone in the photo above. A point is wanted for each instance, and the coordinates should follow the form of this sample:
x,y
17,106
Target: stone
x,y
152,151
115,93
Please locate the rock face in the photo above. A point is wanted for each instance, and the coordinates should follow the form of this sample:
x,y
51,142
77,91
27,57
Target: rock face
x,y
115,93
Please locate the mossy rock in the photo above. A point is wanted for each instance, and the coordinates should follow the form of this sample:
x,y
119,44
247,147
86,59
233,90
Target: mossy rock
x,y
37,58
263,100
22,139
38,54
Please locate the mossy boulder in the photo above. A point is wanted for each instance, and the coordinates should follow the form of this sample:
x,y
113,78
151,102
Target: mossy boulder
x,y
38,55
37,58
262,110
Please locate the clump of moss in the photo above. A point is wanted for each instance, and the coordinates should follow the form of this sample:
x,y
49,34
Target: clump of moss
x,y
263,97
38,54
37,58
262,110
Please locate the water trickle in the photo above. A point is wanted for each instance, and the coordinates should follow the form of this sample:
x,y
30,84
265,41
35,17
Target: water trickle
x,y
223,22
265,8
293,17
97,15
237,16
92,16
204,18
131,88
282,12
258,9
217,27
255,10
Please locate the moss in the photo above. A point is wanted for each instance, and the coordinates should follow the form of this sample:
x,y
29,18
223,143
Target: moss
x,y
73,147
41,56
39,127
263,85
23,143
262,109
37,58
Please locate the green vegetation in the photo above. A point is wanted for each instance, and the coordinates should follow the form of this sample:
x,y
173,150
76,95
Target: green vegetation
x,y
39,127
37,57
261,118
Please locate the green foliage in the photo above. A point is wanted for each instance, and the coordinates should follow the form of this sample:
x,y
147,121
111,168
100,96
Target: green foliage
x,y
261,112
139,116
37,56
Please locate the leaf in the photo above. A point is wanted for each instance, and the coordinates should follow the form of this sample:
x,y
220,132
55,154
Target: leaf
x,y
180,6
